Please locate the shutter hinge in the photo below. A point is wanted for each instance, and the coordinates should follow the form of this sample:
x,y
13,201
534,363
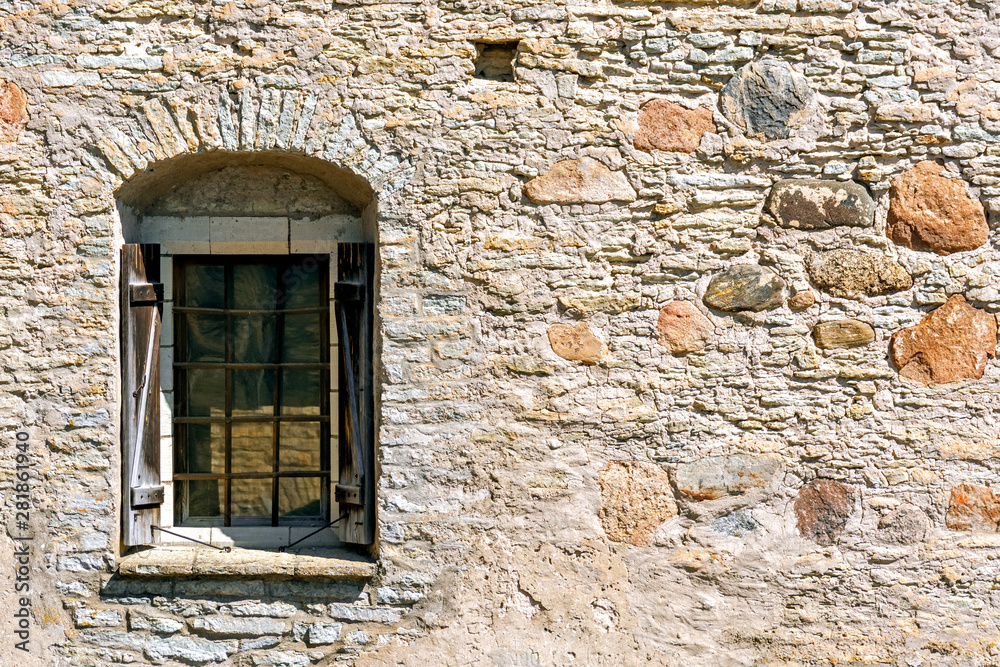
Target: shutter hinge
x,y
147,495
348,494
346,290
145,293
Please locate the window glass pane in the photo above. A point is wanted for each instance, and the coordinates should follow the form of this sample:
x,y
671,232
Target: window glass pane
x,y
204,337
253,339
205,445
204,286
255,286
301,283
206,498
205,393
299,446
253,447
300,392
252,498
301,339
253,393
299,496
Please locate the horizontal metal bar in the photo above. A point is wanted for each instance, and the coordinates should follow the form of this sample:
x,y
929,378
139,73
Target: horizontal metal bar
x,y
183,476
198,310
319,419
222,365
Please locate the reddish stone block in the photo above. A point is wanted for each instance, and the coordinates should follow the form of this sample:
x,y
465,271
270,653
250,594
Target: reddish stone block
x,y
951,343
930,212
667,126
683,328
822,509
972,507
13,111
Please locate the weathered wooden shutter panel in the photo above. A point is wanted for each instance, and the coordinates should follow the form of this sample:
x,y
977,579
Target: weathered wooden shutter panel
x,y
354,306
141,294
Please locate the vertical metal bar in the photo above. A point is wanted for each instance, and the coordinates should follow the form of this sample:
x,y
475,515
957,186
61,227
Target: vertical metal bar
x,y
325,375
279,326
227,286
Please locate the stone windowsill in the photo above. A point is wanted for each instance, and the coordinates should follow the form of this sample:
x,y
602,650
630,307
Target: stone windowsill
x,y
203,562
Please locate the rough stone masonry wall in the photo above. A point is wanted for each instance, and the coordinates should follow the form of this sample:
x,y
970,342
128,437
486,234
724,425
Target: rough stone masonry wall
x,y
687,330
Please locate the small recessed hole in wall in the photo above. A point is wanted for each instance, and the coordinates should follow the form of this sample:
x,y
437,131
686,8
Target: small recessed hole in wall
x,y
495,61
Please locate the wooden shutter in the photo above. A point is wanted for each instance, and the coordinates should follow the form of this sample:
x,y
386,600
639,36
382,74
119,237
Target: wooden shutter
x,y
141,297
354,307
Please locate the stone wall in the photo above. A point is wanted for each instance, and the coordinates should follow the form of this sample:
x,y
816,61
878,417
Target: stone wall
x,y
687,342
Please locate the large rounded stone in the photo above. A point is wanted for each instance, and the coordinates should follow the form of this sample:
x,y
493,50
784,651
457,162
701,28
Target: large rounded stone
x,y
951,343
842,334
583,181
718,476
930,212
683,328
822,509
852,273
745,287
905,525
667,126
973,507
13,111
767,100
636,497
576,343
815,204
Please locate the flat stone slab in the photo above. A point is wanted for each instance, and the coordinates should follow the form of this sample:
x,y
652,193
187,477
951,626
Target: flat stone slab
x,y
768,100
930,212
718,476
666,126
745,287
203,561
842,334
583,181
817,204
951,343
850,273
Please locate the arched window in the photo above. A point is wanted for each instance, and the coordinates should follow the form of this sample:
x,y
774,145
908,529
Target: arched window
x,y
256,283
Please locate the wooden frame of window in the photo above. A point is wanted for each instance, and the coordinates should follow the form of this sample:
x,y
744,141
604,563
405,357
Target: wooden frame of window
x,y
288,269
